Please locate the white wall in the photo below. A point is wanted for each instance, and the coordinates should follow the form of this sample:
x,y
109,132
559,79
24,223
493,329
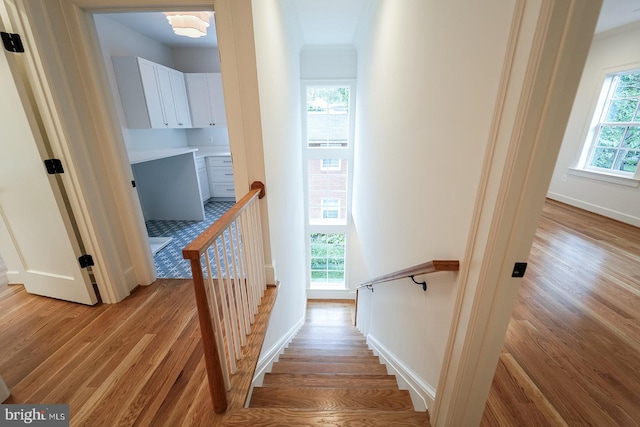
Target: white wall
x,y
328,62
428,75
278,64
118,40
610,51
196,59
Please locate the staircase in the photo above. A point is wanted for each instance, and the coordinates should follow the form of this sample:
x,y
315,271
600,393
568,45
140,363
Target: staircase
x,y
328,376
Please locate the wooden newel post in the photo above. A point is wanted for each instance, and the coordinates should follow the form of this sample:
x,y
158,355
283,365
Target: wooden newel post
x,y
217,388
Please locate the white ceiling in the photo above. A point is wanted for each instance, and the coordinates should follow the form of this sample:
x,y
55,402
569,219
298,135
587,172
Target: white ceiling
x,y
331,22
616,13
155,26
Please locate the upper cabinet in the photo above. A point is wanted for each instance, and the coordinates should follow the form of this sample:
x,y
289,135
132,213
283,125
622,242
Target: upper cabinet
x,y
153,96
206,100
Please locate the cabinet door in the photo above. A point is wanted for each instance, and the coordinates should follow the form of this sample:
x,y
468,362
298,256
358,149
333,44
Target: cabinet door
x,y
153,97
205,193
181,105
166,96
199,100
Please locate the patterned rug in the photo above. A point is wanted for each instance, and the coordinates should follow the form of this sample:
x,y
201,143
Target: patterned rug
x,y
169,261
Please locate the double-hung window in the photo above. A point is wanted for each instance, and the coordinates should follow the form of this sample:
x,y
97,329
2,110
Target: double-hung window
x,y
613,142
328,119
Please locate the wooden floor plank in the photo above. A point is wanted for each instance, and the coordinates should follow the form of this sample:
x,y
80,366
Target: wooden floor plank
x,y
572,348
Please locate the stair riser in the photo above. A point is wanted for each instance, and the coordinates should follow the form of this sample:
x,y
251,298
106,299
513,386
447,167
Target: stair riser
x,y
334,368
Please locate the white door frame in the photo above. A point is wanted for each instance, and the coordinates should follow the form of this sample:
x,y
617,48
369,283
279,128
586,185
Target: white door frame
x,y
548,46
62,47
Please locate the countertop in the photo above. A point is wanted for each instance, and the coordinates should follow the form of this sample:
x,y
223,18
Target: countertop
x,y
148,155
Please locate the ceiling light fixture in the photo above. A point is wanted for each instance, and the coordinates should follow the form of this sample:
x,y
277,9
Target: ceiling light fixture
x,y
189,24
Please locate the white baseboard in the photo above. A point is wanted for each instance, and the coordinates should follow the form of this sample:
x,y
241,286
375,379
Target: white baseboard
x,y
266,360
600,210
270,274
331,294
422,394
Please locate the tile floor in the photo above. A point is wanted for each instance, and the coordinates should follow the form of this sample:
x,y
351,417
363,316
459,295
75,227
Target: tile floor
x,y
169,261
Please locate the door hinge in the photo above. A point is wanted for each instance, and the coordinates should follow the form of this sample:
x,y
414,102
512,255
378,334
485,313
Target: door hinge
x,y
12,42
86,261
54,166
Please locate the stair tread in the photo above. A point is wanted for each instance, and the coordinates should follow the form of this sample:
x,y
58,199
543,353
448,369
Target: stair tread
x,y
331,398
273,417
330,380
347,368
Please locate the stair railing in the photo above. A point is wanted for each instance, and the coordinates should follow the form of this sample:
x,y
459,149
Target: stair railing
x,y
410,272
227,264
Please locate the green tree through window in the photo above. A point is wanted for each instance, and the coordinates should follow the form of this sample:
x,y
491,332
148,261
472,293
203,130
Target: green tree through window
x,y
616,146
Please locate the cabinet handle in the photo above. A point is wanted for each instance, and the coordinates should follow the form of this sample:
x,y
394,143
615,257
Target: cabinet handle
x,y
228,174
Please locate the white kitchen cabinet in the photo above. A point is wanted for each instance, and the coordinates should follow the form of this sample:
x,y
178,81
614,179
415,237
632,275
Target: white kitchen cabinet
x,y
153,96
220,173
206,99
180,100
203,178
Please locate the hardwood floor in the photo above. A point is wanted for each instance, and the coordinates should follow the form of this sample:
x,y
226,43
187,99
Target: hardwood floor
x,y
572,350
571,356
139,362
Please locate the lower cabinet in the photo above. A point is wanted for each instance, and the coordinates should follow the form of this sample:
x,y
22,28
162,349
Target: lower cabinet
x,y
220,174
203,179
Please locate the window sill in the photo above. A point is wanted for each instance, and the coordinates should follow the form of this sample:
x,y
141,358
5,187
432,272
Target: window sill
x,y
606,177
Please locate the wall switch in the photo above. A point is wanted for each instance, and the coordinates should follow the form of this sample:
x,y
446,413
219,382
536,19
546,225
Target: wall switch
x,y
564,178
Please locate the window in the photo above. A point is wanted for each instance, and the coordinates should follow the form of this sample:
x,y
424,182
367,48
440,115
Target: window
x,y
328,121
327,124
613,144
330,165
330,208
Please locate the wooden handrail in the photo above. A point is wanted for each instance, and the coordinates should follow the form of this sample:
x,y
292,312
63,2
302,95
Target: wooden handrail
x,y
416,270
197,247
234,283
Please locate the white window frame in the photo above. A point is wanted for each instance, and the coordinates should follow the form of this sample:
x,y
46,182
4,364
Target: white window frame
x,y
600,111
330,205
340,153
331,167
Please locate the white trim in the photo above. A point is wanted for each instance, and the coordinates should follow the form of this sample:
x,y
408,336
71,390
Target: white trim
x,y
547,47
423,395
331,294
606,177
270,273
600,210
270,356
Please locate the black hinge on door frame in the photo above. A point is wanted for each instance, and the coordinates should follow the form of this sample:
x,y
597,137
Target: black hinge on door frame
x,y
54,166
86,261
12,42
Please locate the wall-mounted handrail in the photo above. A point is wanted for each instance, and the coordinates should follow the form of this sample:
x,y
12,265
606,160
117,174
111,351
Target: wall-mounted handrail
x,y
227,265
410,272
416,270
